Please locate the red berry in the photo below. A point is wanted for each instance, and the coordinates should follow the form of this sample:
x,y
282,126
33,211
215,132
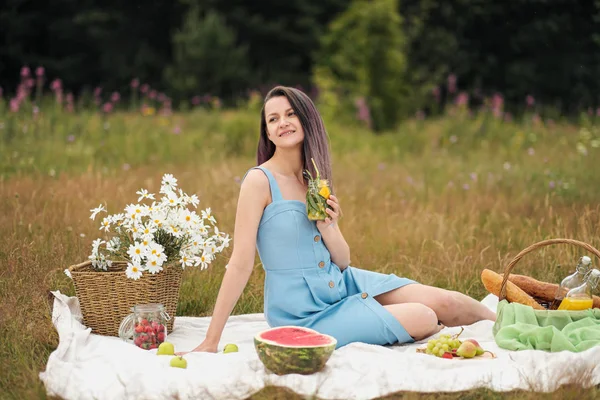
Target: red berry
x,y
161,328
161,337
447,355
153,346
144,321
149,329
139,328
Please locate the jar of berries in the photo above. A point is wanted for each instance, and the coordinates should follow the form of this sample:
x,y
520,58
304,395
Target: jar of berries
x,y
146,325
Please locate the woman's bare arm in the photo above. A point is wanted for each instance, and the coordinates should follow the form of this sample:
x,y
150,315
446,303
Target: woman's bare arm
x,y
251,202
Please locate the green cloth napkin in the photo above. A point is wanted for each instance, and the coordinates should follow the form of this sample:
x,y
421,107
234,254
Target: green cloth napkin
x,y
520,327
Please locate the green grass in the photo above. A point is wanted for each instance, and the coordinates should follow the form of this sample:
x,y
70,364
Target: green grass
x,y
436,200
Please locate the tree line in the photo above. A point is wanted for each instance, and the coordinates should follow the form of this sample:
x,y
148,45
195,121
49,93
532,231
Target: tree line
x,y
545,49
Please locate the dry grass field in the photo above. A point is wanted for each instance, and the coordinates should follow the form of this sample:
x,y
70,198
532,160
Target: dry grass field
x,y
437,201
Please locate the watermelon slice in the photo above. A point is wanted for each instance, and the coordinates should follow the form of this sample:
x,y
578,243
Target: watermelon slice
x,y
293,350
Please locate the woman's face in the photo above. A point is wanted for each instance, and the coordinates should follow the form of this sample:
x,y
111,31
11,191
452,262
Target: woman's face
x,y
283,125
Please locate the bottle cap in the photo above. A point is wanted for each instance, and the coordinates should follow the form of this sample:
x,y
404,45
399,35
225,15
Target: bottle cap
x,y
592,278
586,260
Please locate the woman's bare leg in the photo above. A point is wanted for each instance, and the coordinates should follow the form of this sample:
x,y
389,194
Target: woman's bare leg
x,y
419,320
452,308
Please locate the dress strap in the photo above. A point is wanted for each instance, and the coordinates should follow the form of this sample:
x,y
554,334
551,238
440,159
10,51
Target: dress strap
x,y
275,192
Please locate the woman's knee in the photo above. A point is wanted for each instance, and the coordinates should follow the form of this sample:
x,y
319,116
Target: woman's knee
x,y
446,302
419,320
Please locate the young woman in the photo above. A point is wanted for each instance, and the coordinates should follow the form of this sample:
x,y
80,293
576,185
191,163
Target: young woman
x,y
309,281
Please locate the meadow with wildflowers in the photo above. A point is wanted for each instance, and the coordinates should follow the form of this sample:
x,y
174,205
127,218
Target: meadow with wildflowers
x,y
438,199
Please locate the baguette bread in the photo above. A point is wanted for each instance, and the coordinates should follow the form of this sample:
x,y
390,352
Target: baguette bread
x,y
541,290
493,283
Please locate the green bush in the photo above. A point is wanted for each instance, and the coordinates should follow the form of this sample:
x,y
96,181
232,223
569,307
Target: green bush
x,y
362,57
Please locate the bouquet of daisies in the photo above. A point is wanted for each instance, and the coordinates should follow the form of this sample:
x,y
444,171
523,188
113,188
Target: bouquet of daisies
x,y
148,235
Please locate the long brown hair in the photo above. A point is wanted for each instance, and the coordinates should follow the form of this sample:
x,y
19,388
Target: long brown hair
x,y
316,143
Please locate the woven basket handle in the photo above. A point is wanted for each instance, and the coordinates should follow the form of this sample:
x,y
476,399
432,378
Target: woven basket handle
x,y
76,266
536,246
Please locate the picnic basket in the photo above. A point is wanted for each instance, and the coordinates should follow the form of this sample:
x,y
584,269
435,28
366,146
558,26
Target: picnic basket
x,y
536,246
522,327
106,297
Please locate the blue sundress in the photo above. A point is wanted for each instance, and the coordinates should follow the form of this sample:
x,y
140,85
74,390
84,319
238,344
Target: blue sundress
x,y
303,287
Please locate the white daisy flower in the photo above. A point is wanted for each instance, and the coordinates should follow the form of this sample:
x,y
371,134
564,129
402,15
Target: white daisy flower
x,y
105,224
169,182
136,252
154,265
96,245
203,230
209,245
134,212
189,218
175,230
148,231
171,199
144,195
194,201
206,214
154,249
224,243
133,271
96,210
149,209
186,261
204,260
113,244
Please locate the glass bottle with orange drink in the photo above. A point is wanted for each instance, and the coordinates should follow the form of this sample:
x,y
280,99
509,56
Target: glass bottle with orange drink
x,y
580,298
572,281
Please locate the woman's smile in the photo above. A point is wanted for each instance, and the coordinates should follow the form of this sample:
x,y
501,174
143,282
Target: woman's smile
x,y
287,132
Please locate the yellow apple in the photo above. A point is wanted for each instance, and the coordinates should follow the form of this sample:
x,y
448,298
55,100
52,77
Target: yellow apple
x,y
166,349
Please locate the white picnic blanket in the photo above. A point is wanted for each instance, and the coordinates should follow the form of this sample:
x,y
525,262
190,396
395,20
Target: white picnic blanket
x,y
86,366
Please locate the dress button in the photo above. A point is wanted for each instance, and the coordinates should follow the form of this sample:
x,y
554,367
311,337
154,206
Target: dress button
x,y
321,264
317,238
331,284
364,295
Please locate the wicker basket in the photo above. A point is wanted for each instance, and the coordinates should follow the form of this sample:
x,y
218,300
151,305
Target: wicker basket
x,y
536,246
106,297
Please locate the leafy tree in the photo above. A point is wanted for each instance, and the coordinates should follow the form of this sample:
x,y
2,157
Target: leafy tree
x,y
362,58
206,59
282,37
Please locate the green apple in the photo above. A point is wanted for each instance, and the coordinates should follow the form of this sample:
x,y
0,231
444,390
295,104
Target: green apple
x,y
166,349
230,348
178,362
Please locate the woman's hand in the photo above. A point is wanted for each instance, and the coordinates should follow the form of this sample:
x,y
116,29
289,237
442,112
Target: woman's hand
x,y
335,213
332,236
205,346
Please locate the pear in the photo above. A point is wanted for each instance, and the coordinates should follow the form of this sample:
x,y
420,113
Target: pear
x,y
467,350
480,350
